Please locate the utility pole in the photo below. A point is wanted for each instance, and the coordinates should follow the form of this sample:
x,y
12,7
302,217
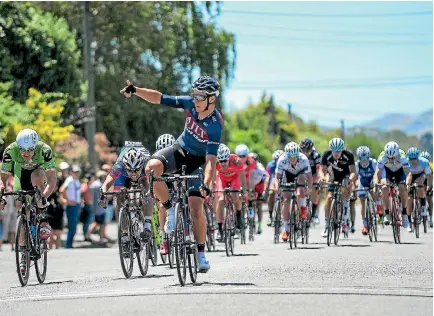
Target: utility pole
x,y
342,130
90,128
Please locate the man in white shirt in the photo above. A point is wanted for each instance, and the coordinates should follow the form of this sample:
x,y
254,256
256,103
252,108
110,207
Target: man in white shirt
x,y
70,191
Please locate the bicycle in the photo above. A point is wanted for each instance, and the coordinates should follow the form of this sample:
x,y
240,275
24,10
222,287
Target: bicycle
x,y
296,225
34,249
156,238
184,240
370,213
312,223
230,222
278,212
395,214
417,211
336,214
210,223
131,224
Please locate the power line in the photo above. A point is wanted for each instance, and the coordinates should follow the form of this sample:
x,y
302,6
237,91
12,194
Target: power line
x,y
329,31
337,86
336,15
332,41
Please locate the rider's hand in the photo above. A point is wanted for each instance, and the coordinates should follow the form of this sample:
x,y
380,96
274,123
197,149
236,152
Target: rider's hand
x,y
128,90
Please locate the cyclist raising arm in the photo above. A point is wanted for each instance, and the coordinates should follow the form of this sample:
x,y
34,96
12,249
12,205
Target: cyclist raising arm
x,y
196,146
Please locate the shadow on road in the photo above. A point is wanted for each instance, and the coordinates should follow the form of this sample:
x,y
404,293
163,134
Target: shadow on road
x,y
308,248
245,255
44,284
224,284
148,276
354,246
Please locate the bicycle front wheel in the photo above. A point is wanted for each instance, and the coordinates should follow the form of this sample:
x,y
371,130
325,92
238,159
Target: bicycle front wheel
x,y
125,242
41,260
22,253
277,222
180,249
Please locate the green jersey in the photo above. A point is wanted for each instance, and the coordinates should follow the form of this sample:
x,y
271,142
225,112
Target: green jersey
x,y
43,158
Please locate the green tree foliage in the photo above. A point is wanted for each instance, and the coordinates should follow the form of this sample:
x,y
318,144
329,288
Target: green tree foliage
x,y
158,45
37,50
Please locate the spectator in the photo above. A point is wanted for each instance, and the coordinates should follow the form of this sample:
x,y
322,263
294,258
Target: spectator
x,y
87,210
70,190
9,216
100,213
110,207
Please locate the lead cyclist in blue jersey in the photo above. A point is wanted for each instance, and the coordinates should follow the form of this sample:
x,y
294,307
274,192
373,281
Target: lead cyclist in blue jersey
x,y
196,146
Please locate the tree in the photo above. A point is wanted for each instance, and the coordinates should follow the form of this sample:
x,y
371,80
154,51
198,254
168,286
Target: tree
x,y
37,50
160,45
41,112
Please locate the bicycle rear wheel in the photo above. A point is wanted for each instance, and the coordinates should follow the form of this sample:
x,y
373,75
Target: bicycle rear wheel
x,y
41,259
153,248
192,256
425,224
180,245
242,225
126,254
171,251
395,222
374,220
22,251
228,231
368,216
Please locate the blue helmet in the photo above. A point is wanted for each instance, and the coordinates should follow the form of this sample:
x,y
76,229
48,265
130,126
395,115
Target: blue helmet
x,y
363,152
207,84
413,153
426,155
336,144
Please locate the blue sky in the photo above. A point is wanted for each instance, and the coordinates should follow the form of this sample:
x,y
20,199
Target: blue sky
x,y
315,61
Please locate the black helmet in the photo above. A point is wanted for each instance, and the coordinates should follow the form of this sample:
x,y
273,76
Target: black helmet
x,y
207,84
306,144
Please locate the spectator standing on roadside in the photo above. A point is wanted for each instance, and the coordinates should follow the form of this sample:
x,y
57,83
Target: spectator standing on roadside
x,y
87,209
100,213
70,190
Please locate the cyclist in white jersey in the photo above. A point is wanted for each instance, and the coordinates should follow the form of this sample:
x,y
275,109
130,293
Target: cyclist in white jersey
x,y
419,171
393,167
295,165
257,180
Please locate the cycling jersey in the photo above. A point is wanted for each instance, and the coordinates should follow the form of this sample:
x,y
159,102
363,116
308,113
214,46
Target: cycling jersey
x,y
119,173
259,174
249,166
302,165
271,167
393,164
314,160
235,166
22,169
366,173
421,167
200,137
339,168
401,153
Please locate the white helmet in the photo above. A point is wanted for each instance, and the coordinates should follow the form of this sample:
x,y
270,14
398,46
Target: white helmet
x,y
145,152
292,149
223,152
391,149
242,150
277,154
164,141
133,159
27,139
363,152
336,144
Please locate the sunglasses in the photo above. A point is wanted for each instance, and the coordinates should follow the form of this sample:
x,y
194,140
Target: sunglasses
x,y
336,151
293,157
27,150
199,97
242,156
133,171
224,161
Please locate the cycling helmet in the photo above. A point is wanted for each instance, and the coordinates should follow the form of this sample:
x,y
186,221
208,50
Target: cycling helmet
x,y
413,153
241,150
426,155
145,152
292,149
133,159
223,153
306,144
164,141
27,139
363,152
391,149
336,144
207,84
254,156
277,154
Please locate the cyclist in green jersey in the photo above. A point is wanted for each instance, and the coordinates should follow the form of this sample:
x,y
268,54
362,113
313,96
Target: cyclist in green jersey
x,y
31,161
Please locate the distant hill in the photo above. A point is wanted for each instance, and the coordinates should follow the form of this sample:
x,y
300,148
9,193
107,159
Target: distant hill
x,y
410,124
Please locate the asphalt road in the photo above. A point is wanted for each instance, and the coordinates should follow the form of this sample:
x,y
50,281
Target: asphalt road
x,y
355,278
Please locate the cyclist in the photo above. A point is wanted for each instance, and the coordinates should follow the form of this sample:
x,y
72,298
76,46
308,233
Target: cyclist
x,y
427,156
33,166
365,170
339,163
257,181
393,165
271,169
230,174
129,171
196,146
162,142
295,165
307,148
419,172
